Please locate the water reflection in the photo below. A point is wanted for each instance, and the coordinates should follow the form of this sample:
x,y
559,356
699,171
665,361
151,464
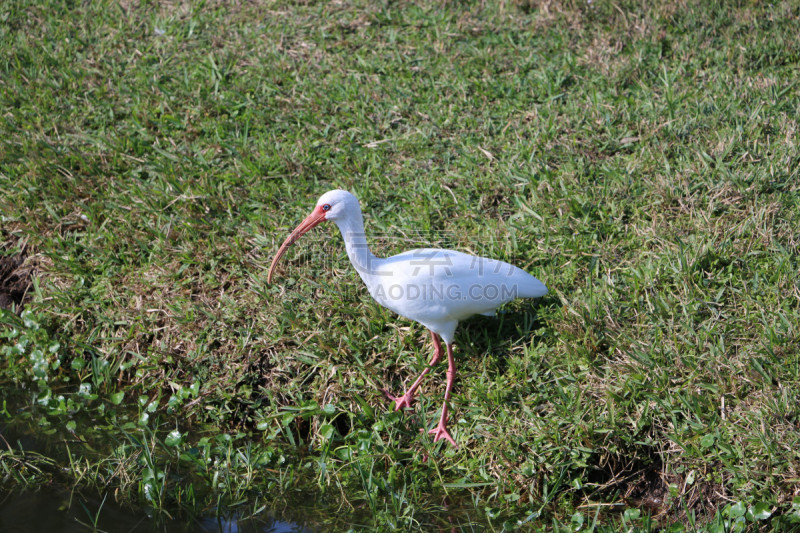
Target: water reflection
x,y
53,511
235,525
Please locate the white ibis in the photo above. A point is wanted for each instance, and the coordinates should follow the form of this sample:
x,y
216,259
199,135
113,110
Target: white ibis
x,y
436,288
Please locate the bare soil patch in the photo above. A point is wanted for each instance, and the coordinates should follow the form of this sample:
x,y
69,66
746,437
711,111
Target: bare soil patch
x,y
15,280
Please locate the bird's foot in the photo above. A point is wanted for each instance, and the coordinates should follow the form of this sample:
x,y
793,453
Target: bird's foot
x,y
440,432
400,402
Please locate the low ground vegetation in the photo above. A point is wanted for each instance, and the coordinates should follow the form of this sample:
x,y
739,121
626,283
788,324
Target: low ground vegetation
x,y
640,159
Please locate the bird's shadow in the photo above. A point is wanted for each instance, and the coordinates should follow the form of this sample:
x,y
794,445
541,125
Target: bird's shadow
x,y
482,344
492,339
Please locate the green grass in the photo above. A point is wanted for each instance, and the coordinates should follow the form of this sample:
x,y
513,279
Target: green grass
x,y
641,160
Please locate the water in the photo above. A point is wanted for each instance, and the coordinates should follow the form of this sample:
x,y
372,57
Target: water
x,y
55,510
51,504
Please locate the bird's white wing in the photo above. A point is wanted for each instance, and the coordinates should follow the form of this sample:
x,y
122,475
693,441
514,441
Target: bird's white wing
x,y
431,284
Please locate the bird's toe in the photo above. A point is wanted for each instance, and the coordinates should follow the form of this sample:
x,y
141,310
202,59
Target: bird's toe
x,y
400,402
440,432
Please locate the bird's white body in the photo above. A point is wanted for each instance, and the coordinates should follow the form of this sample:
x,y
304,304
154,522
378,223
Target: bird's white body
x,y
436,288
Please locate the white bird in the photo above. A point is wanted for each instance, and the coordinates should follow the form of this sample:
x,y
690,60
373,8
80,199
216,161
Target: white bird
x,y
434,287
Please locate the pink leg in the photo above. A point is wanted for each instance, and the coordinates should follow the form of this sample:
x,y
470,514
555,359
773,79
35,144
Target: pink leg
x,y
440,431
408,397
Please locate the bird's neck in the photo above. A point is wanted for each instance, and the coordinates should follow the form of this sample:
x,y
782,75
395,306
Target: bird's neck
x,y
355,242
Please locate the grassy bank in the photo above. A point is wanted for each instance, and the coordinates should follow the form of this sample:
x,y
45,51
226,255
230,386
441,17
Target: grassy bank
x,y
641,161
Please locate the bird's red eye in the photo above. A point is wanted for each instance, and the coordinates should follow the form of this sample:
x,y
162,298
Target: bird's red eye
x,y
326,207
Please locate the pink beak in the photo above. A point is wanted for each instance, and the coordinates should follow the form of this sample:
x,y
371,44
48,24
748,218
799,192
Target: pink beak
x,y
316,216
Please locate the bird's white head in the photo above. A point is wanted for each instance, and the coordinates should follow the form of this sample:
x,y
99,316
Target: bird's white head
x,y
336,204
333,205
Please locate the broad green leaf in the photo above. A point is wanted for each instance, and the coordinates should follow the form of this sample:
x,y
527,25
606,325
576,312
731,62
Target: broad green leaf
x,y
326,431
735,510
632,514
117,398
174,438
759,511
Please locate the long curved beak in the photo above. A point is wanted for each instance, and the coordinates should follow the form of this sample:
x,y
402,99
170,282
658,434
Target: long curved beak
x,y
310,221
